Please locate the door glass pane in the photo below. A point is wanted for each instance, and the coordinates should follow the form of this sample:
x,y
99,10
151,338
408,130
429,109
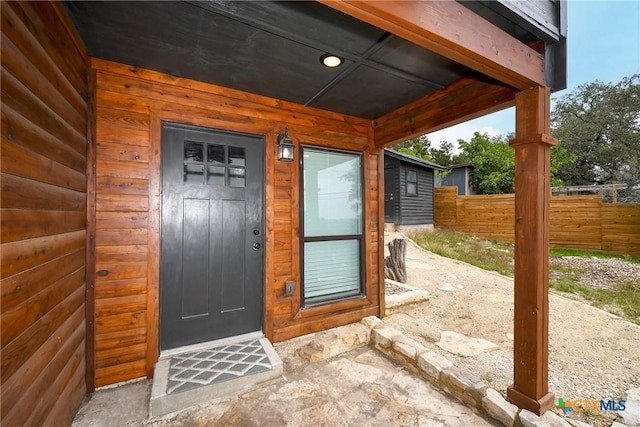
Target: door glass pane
x,y
194,174
236,156
236,177
332,193
193,151
215,175
331,270
215,154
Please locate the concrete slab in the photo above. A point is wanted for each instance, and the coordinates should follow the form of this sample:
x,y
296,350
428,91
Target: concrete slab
x,y
123,405
192,378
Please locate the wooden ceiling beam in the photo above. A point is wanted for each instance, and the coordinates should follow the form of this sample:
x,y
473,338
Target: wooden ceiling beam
x,y
463,100
455,32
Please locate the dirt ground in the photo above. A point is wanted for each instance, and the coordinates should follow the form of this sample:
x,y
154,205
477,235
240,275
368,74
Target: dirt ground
x,y
592,354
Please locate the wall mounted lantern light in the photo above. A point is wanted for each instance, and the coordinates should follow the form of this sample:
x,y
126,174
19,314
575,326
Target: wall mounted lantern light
x,y
285,147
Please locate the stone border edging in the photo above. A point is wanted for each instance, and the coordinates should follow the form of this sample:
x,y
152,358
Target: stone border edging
x,y
463,385
433,367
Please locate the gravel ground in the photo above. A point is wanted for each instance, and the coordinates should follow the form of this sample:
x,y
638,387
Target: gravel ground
x,y
592,354
601,272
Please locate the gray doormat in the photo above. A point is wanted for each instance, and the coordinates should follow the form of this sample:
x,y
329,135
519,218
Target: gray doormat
x,y
197,376
191,370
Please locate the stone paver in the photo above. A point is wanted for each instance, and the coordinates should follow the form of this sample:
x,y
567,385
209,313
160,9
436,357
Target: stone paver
x,y
361,387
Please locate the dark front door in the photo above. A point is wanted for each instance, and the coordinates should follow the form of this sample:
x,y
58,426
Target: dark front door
x,y
388,195
212,262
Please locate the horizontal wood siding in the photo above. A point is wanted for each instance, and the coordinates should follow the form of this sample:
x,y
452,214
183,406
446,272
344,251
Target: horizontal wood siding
x,y
392,167
575,222
578,222
621,228
131,104
43,199
121,241
416,209
446,212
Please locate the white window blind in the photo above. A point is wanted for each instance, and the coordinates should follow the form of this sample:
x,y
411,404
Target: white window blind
x,y
331,269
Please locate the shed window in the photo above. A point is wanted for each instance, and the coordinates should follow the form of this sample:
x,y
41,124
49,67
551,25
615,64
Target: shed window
x,y
332,225
412,182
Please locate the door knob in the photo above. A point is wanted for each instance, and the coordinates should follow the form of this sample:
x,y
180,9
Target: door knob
x,y
256,246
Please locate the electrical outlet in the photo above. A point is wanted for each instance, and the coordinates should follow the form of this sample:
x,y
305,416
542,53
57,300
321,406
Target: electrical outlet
x,y
288,289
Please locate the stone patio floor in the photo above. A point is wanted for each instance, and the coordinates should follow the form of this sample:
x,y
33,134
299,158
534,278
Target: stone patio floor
x,y
358,387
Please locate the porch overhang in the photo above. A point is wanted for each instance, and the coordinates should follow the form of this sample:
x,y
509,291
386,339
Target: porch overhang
x,y
409,67
455,32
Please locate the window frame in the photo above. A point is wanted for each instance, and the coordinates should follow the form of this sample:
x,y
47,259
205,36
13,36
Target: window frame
x,y
327,238
406,182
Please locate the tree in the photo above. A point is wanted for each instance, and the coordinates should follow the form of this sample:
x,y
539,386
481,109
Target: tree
x,y
493,161
599,124
421,147
418,147
560,158
444,156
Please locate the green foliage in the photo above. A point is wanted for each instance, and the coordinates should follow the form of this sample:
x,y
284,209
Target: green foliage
x,y
494,163
490,255
591,254
599,124
418,147
444,155
560,158
421,147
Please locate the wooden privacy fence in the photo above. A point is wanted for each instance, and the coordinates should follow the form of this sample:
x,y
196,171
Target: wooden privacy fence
x,y
577,222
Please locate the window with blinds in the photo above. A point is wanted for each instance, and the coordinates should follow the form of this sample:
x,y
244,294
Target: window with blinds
x,y
332,225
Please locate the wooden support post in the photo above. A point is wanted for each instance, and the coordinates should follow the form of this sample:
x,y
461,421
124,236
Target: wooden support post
x,y
532,145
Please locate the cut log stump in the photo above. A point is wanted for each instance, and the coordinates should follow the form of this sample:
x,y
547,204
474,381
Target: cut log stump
x,y
395,267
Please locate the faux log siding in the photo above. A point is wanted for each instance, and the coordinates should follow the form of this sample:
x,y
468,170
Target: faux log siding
x,y
578,222
44,127
131,103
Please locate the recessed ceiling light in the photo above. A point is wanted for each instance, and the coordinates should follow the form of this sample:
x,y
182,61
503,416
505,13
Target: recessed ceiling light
x,y
330,60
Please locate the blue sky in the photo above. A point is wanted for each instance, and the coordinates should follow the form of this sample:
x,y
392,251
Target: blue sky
x,y
603,43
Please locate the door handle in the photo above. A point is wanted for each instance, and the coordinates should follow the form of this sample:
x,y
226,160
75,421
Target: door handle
x,y
256,246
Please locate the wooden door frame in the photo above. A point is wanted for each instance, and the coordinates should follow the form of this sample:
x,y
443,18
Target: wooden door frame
x,y
156,117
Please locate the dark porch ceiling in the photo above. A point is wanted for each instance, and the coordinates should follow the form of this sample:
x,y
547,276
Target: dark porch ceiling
x,y
267,48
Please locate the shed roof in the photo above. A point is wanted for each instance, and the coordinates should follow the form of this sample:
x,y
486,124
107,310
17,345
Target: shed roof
x,y
462,165
416,161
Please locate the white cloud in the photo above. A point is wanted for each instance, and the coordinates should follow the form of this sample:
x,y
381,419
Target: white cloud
x,y
501,123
